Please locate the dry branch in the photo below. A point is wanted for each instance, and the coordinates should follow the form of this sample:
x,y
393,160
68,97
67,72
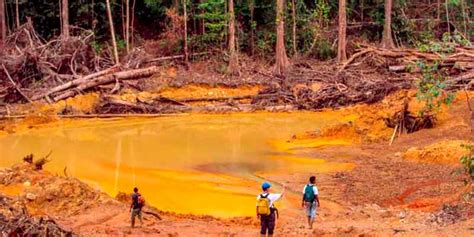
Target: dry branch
x,y
14,84
108,78
352,58
77,82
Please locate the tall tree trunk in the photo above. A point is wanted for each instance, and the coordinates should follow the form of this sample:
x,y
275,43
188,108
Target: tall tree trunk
x,y
252,28
112,32
447,17
127,25
65,18
17,13
233,60
293,15
438,5
341,46
185,16
132,25
122,18
3,23
464,19
282,63
387,41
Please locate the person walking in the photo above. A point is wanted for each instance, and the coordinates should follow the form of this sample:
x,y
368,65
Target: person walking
x,y
310,200
266,209
136,207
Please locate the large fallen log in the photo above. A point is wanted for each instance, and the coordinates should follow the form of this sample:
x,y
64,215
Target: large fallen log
x,y
108,78
76,82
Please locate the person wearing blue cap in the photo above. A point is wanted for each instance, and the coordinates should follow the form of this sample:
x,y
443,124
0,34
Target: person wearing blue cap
x,y
266,209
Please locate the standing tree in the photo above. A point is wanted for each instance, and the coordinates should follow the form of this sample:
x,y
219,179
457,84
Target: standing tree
x,y
233,60
293,15
341,46
282,63
3,23
65,18
17,14
112,32
252,28
132,25
185,18
127,25
387,41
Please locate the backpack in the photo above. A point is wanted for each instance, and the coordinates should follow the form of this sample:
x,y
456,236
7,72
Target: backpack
x,y
141,200
309,193
263,205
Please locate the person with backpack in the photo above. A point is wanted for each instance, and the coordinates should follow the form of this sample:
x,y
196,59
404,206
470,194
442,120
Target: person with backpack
x,y
310,200
138,202
266,209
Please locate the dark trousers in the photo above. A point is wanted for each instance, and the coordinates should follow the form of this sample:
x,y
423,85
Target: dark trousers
x,y
267,223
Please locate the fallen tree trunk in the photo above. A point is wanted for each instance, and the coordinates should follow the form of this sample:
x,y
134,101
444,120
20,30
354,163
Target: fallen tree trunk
x,y
76,82
109,78
466,76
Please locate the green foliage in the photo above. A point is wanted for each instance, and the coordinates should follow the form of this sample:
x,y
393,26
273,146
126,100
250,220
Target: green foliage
x,y
325,50
120,43
266,43
316,23
446,46
97,47
467,162
455,38
378,14
215,20
322,11
431,88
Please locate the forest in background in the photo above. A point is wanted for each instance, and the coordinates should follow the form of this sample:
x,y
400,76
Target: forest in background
x,y
73,46
310,27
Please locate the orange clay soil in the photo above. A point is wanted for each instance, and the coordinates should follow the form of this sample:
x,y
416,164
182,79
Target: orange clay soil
x,y
383,194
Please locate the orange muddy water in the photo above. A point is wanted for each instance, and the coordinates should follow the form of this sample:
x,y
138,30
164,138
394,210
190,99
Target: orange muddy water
x,y
199,164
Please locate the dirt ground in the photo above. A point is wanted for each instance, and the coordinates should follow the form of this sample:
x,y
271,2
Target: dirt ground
x,y
386,194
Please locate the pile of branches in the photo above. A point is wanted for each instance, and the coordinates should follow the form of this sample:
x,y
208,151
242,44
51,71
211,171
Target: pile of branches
x,y
112,75
459,63
32,69
29,63
346,88
16,221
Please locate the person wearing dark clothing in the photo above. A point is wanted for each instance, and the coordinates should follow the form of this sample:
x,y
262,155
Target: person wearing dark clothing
x,y
267,224
266,209
136,207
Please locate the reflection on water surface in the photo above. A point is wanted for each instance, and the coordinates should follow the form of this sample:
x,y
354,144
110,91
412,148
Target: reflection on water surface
x,y
201,164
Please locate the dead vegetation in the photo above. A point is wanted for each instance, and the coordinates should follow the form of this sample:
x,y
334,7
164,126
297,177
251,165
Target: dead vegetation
x,y
16,221
35,70
403,61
